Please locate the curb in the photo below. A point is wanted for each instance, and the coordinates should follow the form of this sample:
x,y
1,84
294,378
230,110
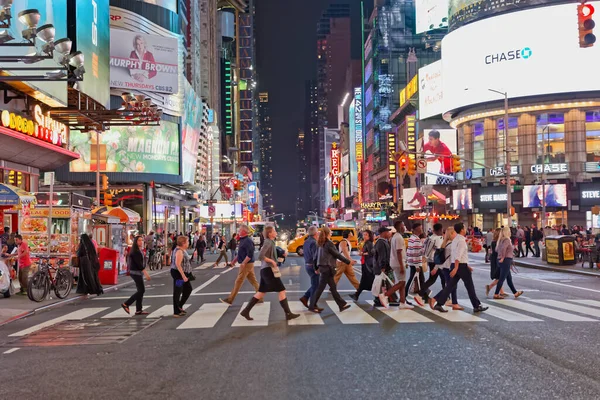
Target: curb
x,y
67,301
555,269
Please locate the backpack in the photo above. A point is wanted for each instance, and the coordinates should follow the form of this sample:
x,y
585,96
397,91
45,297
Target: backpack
x,y
439,257
429,248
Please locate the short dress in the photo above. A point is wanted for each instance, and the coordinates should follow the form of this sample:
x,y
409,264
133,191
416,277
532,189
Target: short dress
x,y
268,281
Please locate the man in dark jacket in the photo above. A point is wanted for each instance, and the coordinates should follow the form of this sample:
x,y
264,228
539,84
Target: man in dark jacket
x,y
536,236
310,254
382,251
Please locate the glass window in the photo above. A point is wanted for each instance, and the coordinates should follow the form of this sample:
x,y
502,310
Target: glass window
x,y
513,142
478,145
16,178
592,136
551,139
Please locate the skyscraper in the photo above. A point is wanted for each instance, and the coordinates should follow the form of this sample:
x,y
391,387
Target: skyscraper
x,y
311,131
266,151
303,186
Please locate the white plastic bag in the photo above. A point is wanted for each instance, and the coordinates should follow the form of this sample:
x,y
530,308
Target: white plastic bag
x,y
4,277
377,282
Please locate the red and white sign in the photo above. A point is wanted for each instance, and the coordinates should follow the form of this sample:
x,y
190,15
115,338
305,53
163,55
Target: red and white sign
x,y
335,172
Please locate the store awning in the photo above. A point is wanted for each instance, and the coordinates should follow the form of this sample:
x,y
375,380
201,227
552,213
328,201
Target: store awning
x,y
11,196
125,215
27,150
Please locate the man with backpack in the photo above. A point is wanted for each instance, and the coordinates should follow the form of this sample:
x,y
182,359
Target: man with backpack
x,y
432,244
310,263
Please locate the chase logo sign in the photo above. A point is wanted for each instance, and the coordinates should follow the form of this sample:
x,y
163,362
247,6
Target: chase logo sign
x,y
511,55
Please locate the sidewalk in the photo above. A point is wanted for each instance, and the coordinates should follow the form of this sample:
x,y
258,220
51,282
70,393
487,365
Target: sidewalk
x,y
19,306
538,263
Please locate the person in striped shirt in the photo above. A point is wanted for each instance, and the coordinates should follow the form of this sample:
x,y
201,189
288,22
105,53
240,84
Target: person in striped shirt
x,y
414,259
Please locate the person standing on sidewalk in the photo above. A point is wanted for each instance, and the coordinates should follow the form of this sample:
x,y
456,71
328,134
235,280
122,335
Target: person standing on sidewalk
x,y
460,271
344,268
367,277
520,240
536,236
181,271
24,262
310,255
414,259
245,258
270,277
327,255
137,271
505,251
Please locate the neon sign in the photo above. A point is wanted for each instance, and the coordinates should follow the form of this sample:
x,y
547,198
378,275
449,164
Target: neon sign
x,y
335,172
42,127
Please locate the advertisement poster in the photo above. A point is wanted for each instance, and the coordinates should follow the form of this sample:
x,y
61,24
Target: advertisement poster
x,y
141,149
568,251
143,62
438,146
462,199
431,90
93,40
413,199
552,251
190,133
431,14
533,196
464,11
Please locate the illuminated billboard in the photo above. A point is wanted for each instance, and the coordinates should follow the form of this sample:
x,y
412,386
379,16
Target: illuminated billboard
x,y
438,146
431,91
431,14
462,199
533,196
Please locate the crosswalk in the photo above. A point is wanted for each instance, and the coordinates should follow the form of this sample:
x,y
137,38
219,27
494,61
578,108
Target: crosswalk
x,y
208,315
208,265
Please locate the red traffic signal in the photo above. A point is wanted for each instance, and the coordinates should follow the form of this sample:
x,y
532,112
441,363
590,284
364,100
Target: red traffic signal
x,y
585,12
403,163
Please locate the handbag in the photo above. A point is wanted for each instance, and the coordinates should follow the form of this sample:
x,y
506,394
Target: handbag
x,y
190,276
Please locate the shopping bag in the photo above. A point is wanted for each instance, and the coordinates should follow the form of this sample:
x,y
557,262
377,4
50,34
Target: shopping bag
x,y
377,282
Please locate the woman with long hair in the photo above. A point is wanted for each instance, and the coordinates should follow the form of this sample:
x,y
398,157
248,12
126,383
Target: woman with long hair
x,y
137,270
494,268
327,255
448,263
368,255
181,271
505,251
270,277
88,281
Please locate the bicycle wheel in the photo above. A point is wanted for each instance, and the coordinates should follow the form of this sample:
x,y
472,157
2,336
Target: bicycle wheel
x,y
63,283
37,287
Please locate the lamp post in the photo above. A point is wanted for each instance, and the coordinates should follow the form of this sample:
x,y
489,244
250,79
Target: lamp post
x,y
544,162
507,160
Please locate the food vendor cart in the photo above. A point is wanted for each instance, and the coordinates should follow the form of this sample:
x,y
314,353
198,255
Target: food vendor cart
x,y
112,228
71,217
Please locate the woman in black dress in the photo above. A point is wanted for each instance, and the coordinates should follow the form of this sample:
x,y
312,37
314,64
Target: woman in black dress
x,y
367,277
270,277
494,267
88,281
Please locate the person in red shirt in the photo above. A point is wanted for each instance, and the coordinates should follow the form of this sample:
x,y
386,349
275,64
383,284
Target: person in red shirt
x,y
440,152
24,262
140,53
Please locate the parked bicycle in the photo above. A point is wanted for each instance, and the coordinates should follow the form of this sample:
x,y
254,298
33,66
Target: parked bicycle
x,y
49,277
156,260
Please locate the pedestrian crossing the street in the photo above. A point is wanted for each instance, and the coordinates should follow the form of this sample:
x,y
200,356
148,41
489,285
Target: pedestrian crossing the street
x,y
211,315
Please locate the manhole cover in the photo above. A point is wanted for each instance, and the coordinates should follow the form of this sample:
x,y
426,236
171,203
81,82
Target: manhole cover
x,y
92,331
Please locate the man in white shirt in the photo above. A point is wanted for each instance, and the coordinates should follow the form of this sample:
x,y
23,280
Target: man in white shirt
x,y
461,270
397,254
432,243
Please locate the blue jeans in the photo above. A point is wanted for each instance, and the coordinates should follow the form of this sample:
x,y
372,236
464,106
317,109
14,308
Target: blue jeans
x,y
314,281
505,275
446,272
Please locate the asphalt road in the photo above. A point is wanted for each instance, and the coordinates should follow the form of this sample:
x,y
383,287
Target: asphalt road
x,y
542,346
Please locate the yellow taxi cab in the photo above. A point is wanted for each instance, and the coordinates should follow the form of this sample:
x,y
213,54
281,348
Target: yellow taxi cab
x,y
337,234
405,235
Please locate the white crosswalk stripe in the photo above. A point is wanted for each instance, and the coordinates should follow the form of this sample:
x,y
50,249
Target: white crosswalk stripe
x,y
403,316
260,313
353,315
206,265
75,315
547,312
165,311
594,303
221,266
206,317
454,315
120,313
570,307
498,312
306,317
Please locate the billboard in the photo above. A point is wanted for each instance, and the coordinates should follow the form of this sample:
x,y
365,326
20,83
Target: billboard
x,y
143,62
438,146
491,198
521,60
93,40
51,11
141,149
431,14
413,199
190,133
431,91
462,12
462,199
556,196
335,171
223,210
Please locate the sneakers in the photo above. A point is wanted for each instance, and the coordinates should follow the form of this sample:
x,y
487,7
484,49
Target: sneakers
x,y
480,309
354,296
225,301
418,300
403,306
384,300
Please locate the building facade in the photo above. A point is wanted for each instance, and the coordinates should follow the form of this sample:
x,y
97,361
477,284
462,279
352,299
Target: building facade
x,y
265,126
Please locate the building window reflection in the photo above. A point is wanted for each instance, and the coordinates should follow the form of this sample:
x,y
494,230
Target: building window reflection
x,y
592,136
478,144
551,139
513,141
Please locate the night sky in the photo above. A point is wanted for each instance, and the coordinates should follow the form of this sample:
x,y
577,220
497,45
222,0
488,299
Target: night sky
x,y
286,34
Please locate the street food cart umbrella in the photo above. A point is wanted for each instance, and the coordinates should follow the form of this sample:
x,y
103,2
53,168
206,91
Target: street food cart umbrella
x,y
12,196
125,215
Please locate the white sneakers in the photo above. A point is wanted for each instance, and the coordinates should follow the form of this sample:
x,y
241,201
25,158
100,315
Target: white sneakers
x,y
404,306
384,300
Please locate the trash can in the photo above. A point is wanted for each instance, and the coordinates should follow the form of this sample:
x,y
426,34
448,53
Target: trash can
x,y
109,272
560,250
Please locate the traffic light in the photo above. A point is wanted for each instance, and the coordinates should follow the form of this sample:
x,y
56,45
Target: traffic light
x,y
412,167
585,12
456,166
237,185
108,199
403,163
104,182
